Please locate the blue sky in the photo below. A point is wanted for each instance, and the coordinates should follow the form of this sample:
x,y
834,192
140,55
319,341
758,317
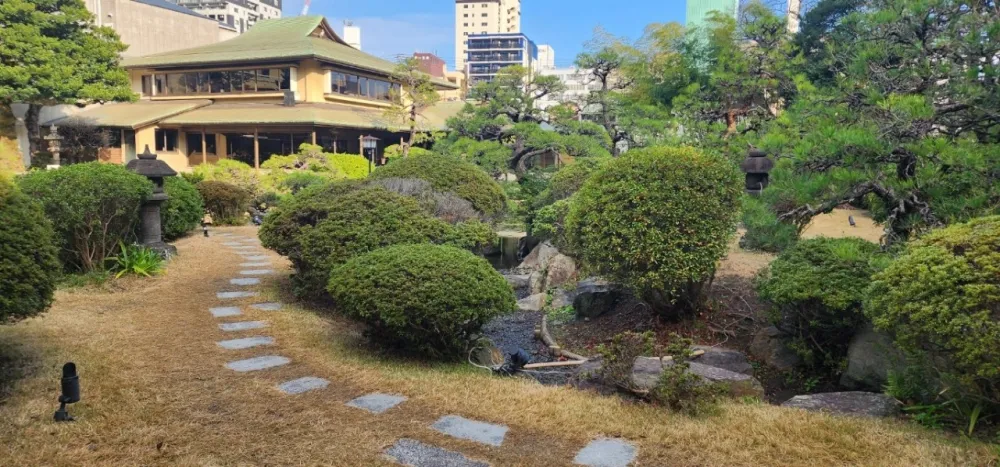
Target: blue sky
x,y
393,27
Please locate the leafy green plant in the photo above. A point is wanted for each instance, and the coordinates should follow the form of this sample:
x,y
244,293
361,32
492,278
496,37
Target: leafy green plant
x,y
450,174
763,230
681,390
816,289
234,173
136,260
29,265
549,223
429,299
183,210
227,203
93,207
618,357
657,221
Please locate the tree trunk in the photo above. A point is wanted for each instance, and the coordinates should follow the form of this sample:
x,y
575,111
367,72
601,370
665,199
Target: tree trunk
x,y
34,133
730,123
413,131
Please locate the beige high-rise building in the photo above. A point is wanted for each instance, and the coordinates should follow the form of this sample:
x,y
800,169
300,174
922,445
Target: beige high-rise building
x,y
475,17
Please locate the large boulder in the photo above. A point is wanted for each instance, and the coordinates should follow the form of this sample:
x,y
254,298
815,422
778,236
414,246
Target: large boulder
x,y
868,404
870,357
538,259
594,297
646,372
727,359
534,302
536,282
517,281
560,271
771,346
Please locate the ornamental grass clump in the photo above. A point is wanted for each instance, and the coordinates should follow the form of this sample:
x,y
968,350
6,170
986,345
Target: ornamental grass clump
x,y
29,263
428,299
657,220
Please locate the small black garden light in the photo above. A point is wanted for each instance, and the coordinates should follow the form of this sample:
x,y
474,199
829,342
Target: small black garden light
x,y
70,392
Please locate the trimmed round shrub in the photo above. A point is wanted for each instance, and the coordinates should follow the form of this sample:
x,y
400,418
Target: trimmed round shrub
x,y
450,174
234,173
227,203
183,210
93,207
294,182
657,221
352,166
396,151
941,299
428,299
816,289
29,262
570,179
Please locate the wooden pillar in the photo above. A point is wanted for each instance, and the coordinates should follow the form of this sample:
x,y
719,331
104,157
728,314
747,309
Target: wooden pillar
x,y
314,137
256,149
204,148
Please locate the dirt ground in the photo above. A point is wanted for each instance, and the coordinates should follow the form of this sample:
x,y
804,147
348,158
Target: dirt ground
x,y
155,392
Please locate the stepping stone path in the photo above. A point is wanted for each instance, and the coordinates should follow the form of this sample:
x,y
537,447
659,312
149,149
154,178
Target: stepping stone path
x,y
245,343
606,452
266,306
298,386
224,311
463,428
256,258
232,244
232,295
376,403
414,453
257,272
244,281
242,326
254,265
257,363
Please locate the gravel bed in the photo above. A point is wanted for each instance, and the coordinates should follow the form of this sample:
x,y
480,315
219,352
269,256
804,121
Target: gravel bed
x,y
517,331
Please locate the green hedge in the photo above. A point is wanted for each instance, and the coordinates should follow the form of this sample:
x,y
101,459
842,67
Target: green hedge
x,y
29,263
816,289
226,203
183,210
657,220
425,298
94,208
450,174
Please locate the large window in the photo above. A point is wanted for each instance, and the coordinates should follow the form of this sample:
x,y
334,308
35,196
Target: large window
x,y
361,86
166,140
221,82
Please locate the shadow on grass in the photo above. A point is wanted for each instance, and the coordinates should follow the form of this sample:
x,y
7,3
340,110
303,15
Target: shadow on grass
x,y
17,362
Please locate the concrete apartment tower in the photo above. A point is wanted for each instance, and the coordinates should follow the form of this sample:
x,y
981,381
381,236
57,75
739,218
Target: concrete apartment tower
x,y
478,17
698,10
239,14
546,57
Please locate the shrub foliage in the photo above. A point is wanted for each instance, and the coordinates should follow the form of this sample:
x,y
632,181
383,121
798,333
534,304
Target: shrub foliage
x,y
94,207
657,221
816,289
429,299
29,264
183,210
227,203
450,174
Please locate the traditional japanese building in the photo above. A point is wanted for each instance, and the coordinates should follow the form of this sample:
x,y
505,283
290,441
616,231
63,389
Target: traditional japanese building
x,y
283,83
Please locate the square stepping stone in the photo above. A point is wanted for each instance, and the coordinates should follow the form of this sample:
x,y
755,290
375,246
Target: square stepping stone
x,y
242,326
232,295
245,281
298,386
463,428
257,272
606,452
273,306
232,243
416,454
255,257
257,363
224,311
255,265
376,403
245,343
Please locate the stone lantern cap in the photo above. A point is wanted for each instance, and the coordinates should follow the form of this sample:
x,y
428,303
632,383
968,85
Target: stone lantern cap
x,y
757,162
149,166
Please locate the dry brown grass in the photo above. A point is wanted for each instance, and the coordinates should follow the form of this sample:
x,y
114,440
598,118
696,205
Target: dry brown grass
x,y
155,393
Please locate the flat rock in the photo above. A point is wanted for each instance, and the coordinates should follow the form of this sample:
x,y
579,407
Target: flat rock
x,y
376,403
517,281
727,359
240,247
594,297
232,244
606,452
646,371
244,281
242,326
255,257
416,454
306,384
245,343
224,311
463,428
257,363
231,295
257,272
273,306
868,404
532,303
255,265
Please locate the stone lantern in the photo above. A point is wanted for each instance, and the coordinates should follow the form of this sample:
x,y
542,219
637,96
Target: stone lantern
x,y
55,145
756,166
152,233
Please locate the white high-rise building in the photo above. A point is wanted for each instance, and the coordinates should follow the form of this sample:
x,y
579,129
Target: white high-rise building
x,y
352,35
546,57
579,85
478,17
239,14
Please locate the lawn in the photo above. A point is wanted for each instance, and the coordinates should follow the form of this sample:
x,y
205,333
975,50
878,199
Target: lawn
x,y
155,392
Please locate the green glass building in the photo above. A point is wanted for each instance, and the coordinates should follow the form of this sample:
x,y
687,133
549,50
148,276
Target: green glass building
x,y
697,10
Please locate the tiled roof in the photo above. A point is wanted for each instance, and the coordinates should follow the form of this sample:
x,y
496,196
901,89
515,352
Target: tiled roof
x,y
129,114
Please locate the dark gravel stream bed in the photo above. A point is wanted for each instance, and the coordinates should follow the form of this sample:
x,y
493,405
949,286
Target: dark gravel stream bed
x,y
517,331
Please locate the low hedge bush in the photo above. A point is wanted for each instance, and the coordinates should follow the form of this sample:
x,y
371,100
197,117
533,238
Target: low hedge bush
x,y
227,203
29,258
234,173
763,230
183,210
816,289
657,220
93,207
450,174
430,299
